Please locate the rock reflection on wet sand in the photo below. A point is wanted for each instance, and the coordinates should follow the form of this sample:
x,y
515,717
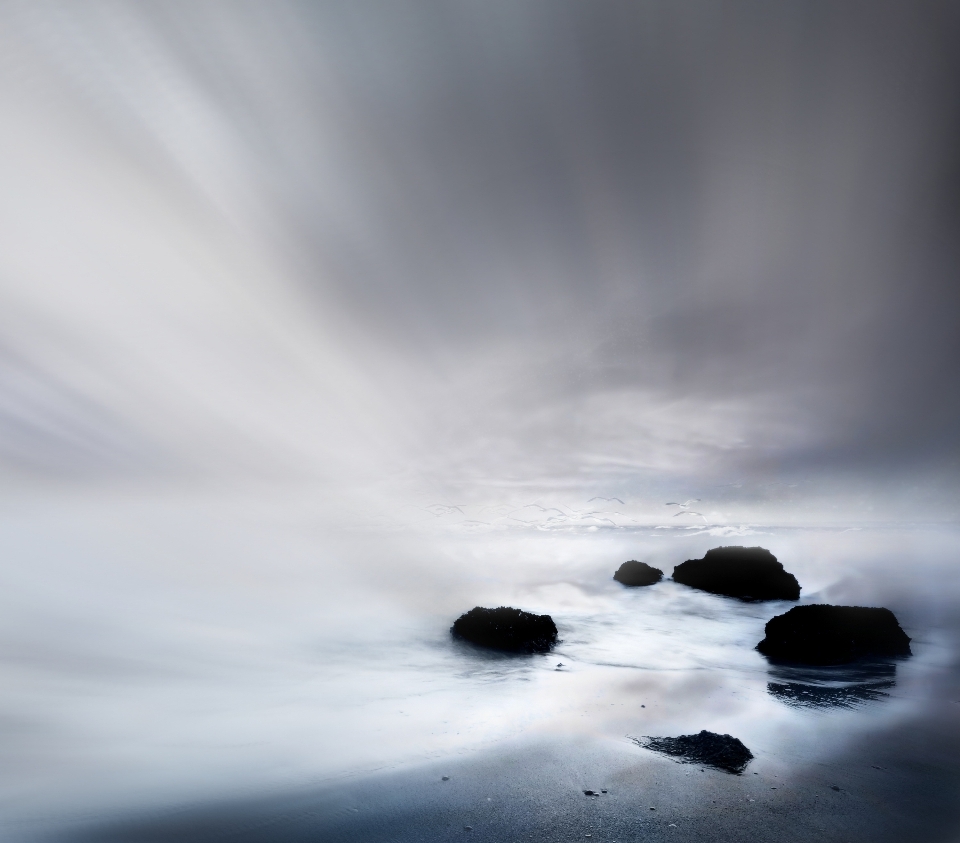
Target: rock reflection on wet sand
x,y
849,686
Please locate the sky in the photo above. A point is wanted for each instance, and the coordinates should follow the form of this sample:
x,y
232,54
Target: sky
x,y
467,252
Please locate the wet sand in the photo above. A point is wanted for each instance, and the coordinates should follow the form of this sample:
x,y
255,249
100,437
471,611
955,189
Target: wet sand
x,y
899,785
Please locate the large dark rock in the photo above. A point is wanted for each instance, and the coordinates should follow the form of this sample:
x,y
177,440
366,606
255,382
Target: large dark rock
x,y
724,752
750,573
507,629
637,573
823,634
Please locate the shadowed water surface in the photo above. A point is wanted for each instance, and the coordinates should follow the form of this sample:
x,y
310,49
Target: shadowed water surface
x,y
844,686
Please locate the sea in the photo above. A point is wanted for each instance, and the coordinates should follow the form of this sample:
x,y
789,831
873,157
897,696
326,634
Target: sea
x,y
161,653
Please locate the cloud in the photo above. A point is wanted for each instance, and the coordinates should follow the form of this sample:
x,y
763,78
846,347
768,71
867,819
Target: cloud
x,y
480,241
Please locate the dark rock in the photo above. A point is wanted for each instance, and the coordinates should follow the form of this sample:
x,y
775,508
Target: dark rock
x,y
724,752
637,573
507,629
750,573
589,793
822,634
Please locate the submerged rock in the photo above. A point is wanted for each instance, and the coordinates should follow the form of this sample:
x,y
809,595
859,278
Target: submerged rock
x,y
750,573
637,573
724,752
822,634
507,629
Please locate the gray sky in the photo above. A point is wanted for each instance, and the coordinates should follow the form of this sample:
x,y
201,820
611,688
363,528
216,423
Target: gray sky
x,y
609,246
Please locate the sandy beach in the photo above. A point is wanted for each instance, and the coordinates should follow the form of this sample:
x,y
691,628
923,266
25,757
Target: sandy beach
x,y
899,785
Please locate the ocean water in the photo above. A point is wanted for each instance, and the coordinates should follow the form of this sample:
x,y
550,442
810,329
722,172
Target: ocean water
x,y
159,653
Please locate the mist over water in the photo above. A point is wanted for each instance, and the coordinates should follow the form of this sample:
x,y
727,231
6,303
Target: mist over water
x,y
321,324
174,652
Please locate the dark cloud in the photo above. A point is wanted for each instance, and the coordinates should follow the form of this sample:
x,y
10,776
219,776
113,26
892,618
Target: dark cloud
x,y
534,205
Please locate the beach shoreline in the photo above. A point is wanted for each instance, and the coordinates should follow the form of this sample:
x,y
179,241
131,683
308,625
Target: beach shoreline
x,y
902,784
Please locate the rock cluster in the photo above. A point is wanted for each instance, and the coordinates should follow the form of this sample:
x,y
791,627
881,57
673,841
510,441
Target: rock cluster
x,y
750,573
508,629
815,635
724,752
825,635
637,573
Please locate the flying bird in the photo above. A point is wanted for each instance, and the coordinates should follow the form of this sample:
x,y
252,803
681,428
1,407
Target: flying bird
x,y
608,500
683,505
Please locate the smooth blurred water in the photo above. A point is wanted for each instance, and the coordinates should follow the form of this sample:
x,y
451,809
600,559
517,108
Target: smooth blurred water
x,y
166,652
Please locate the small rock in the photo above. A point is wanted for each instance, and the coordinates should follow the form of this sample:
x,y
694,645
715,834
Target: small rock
x,y
635,573
724,752
603,791
468,828
589,793
672,825
652,808
834,787
444,778
506,628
